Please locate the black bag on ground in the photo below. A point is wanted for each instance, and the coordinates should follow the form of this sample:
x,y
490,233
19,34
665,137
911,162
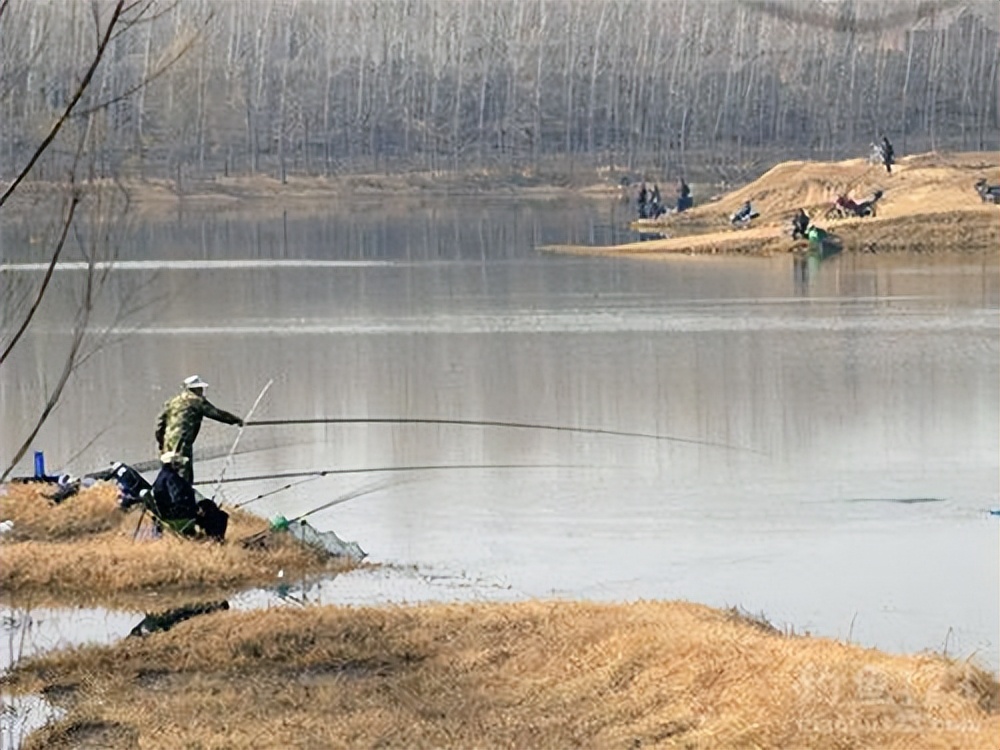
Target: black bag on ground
x,y
212,520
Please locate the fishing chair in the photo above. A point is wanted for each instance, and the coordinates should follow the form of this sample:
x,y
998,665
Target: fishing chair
x,y
208,519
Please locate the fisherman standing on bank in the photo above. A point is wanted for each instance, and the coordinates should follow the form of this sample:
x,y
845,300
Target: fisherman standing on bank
x,y
179,422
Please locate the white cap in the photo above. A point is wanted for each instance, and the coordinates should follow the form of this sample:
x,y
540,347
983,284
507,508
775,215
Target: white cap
x,y
195,381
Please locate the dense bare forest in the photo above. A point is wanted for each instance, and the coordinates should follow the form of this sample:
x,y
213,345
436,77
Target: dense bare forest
x,y
211,87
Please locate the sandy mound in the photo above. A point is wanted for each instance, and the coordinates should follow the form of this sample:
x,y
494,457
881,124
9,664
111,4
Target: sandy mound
x,y
925,183
924,199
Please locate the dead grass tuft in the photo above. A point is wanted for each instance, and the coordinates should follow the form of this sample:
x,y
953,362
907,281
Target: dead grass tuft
x,y
82,734
532,674
758,621
35,516
84,550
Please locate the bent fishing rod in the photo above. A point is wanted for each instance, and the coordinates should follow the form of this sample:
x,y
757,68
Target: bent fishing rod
x,y
352,495
317,473
397,481
490,423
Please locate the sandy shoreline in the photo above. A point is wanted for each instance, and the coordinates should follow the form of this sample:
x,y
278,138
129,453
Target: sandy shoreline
x,y
928,205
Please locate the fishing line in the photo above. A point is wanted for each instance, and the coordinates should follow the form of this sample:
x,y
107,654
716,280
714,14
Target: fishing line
x,y
236,442
490,423
433,467
352,495
360,492
288,486
208,454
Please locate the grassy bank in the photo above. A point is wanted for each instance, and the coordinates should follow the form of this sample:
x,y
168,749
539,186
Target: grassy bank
x,y
532,674
83,551
529,674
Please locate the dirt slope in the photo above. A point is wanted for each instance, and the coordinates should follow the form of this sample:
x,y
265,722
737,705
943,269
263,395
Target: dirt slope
x,y
929,203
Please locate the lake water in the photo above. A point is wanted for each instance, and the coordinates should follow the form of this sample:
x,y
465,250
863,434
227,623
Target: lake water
x,y
850,416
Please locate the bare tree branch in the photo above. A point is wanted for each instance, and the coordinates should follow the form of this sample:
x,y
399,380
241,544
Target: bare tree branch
x,y
81,87
145,81
68,367
67,223
140,18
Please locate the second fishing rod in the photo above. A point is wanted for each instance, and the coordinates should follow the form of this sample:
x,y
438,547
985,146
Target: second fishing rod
x,y
490,423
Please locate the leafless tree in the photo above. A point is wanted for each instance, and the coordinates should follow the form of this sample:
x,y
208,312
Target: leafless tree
x,y
42,44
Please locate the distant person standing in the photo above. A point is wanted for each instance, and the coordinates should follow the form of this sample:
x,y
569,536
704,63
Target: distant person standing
x,y
655,206
180,420
684,200
888,155
643,200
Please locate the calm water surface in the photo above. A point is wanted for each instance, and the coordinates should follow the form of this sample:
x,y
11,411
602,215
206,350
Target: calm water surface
x,y
859,407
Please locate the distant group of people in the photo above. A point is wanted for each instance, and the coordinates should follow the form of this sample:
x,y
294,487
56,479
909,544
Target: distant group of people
x,y
174,500
651,205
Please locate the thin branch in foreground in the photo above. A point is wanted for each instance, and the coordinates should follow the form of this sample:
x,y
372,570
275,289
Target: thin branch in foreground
x,y
145,81
54,397
80,89
74,202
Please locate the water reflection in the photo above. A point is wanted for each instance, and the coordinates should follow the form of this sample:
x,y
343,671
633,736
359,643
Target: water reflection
x,y
871,378
22,714
30,631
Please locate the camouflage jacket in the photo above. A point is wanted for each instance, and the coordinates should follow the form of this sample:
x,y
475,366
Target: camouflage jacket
x,y
179,422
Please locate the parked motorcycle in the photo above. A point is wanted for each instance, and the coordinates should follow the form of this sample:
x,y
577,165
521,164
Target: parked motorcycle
x,y
846,207
987,193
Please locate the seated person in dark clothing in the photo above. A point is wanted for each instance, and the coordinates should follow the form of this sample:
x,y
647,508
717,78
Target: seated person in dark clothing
x,y
744,215
174,502
684,199
800,225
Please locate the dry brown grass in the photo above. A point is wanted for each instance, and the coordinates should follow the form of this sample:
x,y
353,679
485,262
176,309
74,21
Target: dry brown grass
x,y
83,551
36,517
929,205
526,675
